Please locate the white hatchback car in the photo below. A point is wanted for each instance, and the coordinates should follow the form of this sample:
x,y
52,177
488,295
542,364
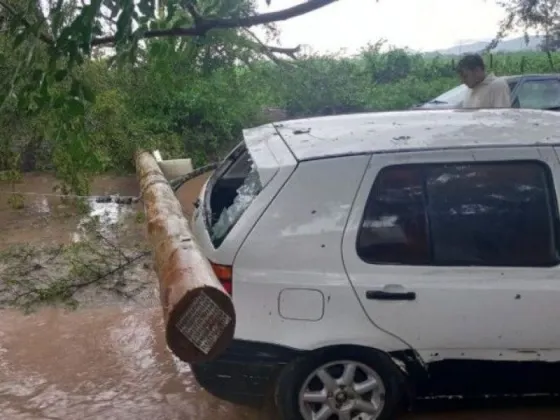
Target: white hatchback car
x,y
377,258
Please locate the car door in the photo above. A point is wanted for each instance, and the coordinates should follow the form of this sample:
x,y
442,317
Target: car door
x,y
456,252
537,92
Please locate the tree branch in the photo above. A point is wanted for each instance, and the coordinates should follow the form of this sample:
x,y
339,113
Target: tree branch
x,y
43,37
290,52
204,25
189,5
108,19
269,51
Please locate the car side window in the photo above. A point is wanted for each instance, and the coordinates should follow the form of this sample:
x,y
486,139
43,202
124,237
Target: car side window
x,y
539,94
394,226
482,214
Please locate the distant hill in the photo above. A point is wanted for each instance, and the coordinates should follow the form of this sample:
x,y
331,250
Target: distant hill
x,y
510,45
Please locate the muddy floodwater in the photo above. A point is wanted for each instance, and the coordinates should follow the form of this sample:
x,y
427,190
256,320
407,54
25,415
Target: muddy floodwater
x,y
107,359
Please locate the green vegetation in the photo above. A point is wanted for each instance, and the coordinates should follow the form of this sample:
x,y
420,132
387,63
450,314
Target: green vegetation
x,y
166,103
184,79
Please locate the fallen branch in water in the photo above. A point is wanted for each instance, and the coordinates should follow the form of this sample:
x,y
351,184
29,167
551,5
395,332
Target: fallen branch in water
x,y
35,276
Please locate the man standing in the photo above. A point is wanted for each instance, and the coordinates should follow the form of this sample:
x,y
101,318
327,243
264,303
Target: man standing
x,y
485,90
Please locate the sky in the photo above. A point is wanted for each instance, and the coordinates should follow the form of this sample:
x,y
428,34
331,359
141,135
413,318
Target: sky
x,y
422,25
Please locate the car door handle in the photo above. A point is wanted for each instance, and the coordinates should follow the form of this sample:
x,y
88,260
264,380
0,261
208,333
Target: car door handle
x,y
383,295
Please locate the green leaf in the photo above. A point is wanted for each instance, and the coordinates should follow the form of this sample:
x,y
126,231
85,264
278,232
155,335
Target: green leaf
x,y
124,22
171,8
37,75
183,20
59,101
155,48
60,75
44,90
53,53
41,101
64,36
56,16
147,7
23,102
19,39
89,95
75,88
74,55
35,28
75,107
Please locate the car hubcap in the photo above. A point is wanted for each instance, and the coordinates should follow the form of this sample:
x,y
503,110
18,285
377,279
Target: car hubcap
x,y
343,390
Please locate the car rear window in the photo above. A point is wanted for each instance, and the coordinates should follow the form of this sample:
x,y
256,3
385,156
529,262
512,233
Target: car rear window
x,y
231,190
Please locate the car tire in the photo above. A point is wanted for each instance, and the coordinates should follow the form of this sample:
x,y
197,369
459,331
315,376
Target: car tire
x,y
363,379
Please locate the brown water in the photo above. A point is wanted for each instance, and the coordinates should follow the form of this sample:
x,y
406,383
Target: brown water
x,y
110,361
46,219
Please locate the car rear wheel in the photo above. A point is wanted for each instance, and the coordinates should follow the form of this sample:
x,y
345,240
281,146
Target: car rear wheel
x,y
366,386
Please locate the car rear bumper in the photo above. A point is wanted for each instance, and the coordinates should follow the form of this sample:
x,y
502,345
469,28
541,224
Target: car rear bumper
x,y
245,372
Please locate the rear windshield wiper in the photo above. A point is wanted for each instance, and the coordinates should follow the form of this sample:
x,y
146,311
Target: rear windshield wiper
x,y
437,102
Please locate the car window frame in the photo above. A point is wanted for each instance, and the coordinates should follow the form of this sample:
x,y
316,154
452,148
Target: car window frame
x,y
553,211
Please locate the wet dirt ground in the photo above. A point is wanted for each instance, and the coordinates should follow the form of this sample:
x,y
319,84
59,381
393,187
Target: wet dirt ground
x,y
108,359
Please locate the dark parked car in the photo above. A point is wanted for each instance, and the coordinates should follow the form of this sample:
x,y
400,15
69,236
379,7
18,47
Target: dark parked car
x,y
536,91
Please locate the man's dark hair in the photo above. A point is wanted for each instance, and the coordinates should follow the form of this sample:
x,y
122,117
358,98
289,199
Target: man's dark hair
x,y
470,62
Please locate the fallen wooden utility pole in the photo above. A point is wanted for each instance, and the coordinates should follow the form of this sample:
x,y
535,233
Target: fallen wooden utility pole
x,y
198,313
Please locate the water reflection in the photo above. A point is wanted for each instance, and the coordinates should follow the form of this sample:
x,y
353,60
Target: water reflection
x,y
41,205
105,363
106,216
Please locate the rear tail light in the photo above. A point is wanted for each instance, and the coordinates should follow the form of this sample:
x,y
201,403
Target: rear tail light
x,y
224,275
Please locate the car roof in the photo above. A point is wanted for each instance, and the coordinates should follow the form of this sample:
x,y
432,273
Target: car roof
x,y
399,131
515,77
